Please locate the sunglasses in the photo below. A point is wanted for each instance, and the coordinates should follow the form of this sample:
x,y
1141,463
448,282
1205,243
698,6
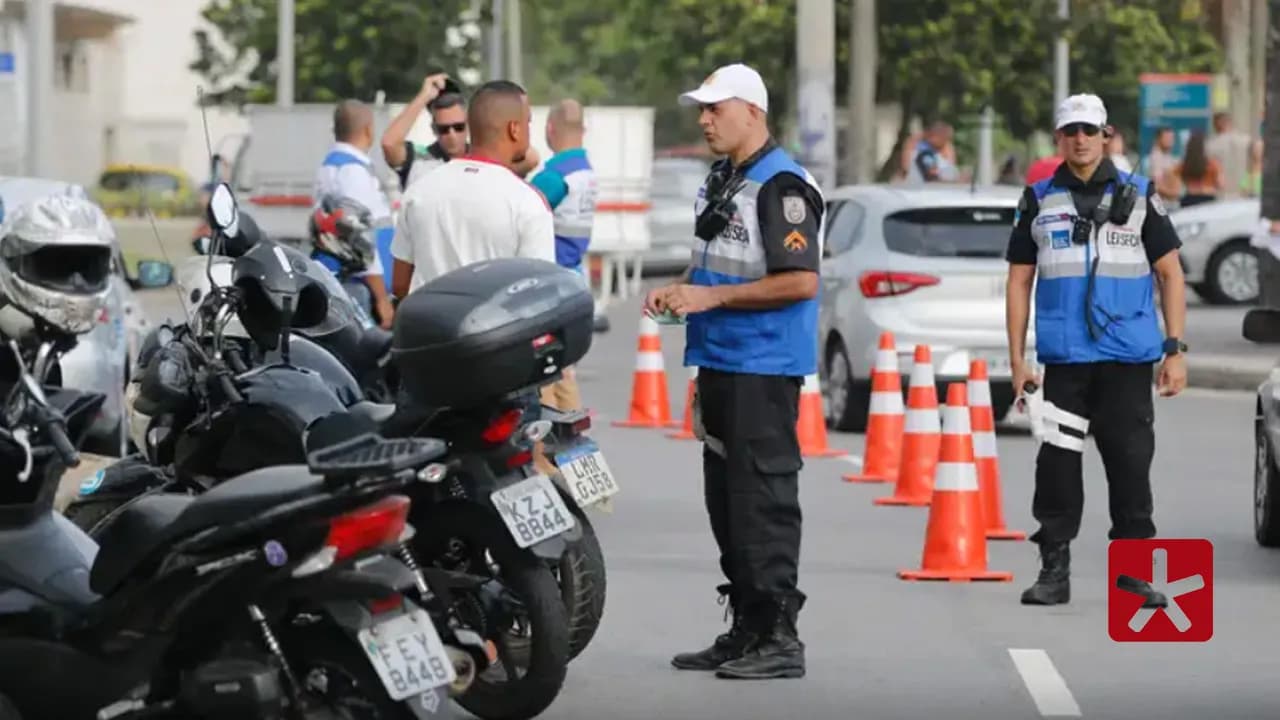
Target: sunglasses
x,y
1075,128
452,127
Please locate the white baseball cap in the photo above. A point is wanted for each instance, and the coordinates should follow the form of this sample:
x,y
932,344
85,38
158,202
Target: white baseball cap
x,y
1086,109
728,82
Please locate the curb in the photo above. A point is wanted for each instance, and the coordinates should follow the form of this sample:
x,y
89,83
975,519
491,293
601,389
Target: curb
x,y
1225,372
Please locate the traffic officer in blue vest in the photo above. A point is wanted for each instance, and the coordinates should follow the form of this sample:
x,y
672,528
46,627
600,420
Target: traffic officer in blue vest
x,y
568,182
1102,244
749,298
347,172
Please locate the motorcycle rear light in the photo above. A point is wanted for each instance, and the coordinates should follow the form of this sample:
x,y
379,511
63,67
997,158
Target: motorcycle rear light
x,y
520,459
369,527
582,425
502,427
386,604
543,340
884,284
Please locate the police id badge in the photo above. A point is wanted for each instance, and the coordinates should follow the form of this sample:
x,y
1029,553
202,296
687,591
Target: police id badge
x,y
793,209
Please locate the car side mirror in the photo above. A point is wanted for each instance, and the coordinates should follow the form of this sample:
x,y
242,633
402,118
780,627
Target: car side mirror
x,y
153,274
1262,325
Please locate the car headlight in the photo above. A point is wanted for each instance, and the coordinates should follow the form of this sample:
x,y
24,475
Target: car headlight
x,y
1188,231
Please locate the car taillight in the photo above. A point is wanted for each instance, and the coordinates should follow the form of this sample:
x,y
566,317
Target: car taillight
x,y
501,427
882,284
372,526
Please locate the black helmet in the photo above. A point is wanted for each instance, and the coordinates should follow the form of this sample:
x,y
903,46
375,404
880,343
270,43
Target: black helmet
x,y
277,289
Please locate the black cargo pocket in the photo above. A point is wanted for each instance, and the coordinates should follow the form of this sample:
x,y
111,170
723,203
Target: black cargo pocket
x,y
778,454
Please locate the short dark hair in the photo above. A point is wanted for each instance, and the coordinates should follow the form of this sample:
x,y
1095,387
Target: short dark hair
x,y
447,100
489,106
1163,129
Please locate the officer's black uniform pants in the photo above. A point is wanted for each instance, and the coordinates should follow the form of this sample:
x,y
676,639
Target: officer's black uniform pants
x,y
1116,399
752,493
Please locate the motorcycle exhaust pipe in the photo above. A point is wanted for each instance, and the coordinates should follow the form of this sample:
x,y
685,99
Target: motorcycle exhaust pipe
x,y
465,668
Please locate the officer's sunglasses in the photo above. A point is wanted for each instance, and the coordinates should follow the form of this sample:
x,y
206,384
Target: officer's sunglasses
x,y
451,127
1076,128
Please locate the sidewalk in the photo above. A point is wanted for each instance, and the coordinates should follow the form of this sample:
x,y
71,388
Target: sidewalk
x,y
1228,371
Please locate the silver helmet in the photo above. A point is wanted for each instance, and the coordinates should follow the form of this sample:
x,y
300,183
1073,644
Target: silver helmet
x,y
55,261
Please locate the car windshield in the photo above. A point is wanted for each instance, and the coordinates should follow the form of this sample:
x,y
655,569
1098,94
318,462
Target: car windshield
x,y
976,232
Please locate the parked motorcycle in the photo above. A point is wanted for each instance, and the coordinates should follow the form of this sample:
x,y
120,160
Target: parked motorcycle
x,y
207,441
269,597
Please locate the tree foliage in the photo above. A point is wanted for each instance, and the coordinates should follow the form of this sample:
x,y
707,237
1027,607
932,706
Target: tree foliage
x,y
342,49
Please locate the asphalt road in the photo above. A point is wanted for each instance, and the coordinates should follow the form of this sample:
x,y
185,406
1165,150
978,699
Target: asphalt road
x,y
879,647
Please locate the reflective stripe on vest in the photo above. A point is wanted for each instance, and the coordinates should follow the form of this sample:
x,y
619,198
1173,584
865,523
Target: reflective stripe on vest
x,y
782,341
1122,302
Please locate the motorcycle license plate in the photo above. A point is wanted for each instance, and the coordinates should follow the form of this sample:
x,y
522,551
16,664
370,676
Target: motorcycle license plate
x,y
532,510
408,655
588,475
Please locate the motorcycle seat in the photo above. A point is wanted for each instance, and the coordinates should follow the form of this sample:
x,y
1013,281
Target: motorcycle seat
x,y
378,413
137,533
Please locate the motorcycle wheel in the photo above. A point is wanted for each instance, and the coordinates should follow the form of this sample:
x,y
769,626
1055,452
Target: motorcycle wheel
x,y
331,669
581,573
467,537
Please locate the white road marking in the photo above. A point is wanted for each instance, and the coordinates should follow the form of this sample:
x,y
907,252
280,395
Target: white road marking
x,y
851,459
1044,683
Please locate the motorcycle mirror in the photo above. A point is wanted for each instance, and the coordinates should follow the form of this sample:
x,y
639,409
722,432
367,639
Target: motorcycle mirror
x,y
223,213
1262,325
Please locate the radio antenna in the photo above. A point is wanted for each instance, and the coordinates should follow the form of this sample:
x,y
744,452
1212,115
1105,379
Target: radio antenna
x,y
216,241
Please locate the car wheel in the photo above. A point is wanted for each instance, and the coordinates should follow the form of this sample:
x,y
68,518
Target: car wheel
x,y
1266,490
846,408
1231,276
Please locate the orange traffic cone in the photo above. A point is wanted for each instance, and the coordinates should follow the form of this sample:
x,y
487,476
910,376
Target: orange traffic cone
x,y
883,452
920,436
811,425
686,432
955,544
650,405
982,421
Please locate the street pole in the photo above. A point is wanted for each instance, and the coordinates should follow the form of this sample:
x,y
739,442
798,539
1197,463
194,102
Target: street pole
x,y
1268,266
1062,58
1259,18
284,54
495,40
863,60
515,50
986,146
816,70
40,38
1236,44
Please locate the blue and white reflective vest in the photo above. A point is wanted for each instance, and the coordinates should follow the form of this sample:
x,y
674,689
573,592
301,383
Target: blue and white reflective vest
x,y
781,341
338,158
1122,301
575,212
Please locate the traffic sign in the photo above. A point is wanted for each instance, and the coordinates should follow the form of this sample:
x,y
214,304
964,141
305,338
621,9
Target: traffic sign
x,y
1183,102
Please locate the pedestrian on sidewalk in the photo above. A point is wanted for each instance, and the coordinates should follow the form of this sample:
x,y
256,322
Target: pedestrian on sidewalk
x,y
750,301
1099,239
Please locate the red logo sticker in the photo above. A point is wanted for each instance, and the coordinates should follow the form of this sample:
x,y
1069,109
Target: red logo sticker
x,y
1181,570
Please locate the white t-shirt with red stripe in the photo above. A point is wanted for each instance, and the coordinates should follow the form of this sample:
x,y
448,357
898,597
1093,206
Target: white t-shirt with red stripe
x,y
469,210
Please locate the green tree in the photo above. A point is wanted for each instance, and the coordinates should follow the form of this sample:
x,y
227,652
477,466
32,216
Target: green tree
x,y
342,49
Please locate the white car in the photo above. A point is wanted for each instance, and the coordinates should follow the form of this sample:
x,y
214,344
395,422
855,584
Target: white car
x,y
926,263
1216,257
102,360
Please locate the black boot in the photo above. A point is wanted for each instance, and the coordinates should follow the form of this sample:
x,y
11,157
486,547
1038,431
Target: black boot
x,y
1053,586
778,652
728,646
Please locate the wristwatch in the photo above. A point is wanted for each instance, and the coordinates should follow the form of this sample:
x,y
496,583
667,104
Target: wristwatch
x,y
1173,346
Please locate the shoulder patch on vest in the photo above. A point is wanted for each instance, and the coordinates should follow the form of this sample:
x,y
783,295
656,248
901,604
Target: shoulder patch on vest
x,y
795,242
1157,204
793,209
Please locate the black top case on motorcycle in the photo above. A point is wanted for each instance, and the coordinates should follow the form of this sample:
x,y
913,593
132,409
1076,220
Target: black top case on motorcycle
x,y
487,330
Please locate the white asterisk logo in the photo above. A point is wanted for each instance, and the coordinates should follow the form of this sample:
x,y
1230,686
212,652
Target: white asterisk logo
x,y
1171,590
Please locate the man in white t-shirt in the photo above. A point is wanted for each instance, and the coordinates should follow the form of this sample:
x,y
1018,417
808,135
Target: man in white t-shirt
x,y
475,208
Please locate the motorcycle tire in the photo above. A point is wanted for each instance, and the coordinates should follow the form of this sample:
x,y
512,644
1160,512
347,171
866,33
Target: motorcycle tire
x,y
528,578
581,573
325,648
